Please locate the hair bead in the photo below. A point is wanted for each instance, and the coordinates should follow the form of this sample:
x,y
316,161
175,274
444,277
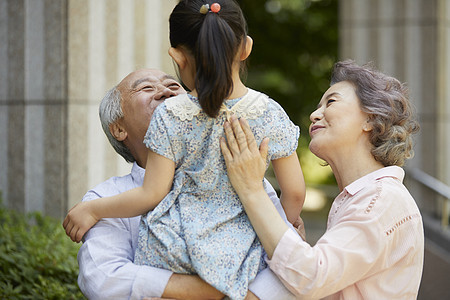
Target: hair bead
x,y
204,9
215,7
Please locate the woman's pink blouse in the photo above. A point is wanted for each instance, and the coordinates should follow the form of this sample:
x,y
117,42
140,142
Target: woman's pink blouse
x,y
372,249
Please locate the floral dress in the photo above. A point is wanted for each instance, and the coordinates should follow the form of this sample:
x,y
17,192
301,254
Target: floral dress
x,y
200,227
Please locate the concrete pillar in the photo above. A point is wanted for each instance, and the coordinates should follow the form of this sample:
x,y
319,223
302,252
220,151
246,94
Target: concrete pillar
x,y
108,40
408,39
443,111
57,60
33,104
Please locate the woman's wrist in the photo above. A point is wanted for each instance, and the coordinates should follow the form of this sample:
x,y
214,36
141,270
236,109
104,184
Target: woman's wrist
x,y
266,220
251,193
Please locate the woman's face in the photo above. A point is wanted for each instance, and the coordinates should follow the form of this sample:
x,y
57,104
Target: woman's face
x,y
338,126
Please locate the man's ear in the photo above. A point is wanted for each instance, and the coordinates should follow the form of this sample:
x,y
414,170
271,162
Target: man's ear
x,y
118,132
247,49
178,56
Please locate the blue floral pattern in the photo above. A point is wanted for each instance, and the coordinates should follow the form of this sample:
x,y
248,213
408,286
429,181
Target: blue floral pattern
x,y
200,226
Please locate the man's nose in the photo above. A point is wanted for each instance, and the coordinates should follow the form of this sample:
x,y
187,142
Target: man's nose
x,y
163,93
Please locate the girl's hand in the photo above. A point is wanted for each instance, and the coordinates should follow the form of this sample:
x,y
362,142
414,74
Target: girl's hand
x,y
79,220
300,227
246,164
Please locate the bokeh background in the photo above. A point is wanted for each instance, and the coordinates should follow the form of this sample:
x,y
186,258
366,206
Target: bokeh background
x,y
58,57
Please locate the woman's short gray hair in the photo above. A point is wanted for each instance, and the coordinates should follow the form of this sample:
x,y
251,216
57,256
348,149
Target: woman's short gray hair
x,y
386,101
110,111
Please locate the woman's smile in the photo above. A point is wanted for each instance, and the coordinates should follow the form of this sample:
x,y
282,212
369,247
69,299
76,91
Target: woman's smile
x,y
314,128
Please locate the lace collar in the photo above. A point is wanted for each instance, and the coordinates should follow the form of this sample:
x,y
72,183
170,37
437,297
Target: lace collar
x,y
251,106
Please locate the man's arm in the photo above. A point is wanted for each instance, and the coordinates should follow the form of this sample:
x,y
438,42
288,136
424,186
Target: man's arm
x,y
265,286
126,204
189,287
106,262
107,270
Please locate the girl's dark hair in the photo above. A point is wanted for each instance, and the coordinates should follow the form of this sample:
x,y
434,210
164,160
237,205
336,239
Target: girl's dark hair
x,y
214,39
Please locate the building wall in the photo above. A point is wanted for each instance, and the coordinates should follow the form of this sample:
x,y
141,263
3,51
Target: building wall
x,y
32,103
443,92
113,38
408,39
57,59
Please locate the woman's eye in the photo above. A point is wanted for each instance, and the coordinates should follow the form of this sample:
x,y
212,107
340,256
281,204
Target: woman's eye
x,y
330,101
147,88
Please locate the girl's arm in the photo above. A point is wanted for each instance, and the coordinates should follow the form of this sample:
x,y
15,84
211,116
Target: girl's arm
x,y
246,166
157,183
292,184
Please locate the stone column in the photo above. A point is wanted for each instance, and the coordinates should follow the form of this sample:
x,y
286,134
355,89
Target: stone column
x,y
57,59
408,39
443,92
107,40
33,104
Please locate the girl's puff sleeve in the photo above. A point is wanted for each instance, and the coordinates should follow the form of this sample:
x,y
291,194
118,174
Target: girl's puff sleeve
x,y
157,138
284,134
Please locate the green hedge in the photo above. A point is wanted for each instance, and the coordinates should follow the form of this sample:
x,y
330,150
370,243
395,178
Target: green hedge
x,y
37,259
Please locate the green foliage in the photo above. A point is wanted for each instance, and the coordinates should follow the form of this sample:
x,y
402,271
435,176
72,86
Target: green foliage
x,y
314,169
295,44
37,260
295,47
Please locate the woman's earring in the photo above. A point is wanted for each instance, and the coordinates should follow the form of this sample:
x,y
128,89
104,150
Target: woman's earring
x,y
367,126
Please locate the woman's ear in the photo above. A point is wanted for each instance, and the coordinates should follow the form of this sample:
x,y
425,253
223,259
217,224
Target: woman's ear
x,y
178,56
368,125
247,49
118,132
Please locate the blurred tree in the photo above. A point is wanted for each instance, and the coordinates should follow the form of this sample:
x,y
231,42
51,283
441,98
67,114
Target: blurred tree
x,y
295,46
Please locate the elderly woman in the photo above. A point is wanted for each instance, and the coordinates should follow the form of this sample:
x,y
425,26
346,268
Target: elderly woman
x,y
373,246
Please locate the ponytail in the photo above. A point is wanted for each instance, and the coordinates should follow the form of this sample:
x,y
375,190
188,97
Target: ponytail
x,y
214,57
215,39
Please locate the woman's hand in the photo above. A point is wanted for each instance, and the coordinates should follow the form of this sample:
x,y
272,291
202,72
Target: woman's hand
x,y
246,164
79,220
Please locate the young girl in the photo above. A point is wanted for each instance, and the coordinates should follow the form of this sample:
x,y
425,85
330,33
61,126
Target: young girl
x,y
198,224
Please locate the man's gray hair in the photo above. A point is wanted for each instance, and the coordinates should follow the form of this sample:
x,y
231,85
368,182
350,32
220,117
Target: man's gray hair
x,y
110,111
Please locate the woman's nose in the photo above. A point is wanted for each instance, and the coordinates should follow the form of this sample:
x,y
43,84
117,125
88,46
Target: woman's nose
x,y
316,115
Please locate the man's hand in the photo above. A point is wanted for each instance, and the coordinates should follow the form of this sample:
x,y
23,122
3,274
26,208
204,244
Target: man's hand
x,y
79,220
183,286
251,296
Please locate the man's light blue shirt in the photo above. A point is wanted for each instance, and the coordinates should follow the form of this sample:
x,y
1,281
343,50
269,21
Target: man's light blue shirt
x,y
106,257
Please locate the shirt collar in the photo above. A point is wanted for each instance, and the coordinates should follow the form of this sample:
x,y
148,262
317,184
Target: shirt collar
x,y
137,173
391,171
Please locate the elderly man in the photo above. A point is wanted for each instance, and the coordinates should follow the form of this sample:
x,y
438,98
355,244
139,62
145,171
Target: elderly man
x,y
106,257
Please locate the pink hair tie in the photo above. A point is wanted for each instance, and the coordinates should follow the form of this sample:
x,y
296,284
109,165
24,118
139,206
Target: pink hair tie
x,y
215,7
